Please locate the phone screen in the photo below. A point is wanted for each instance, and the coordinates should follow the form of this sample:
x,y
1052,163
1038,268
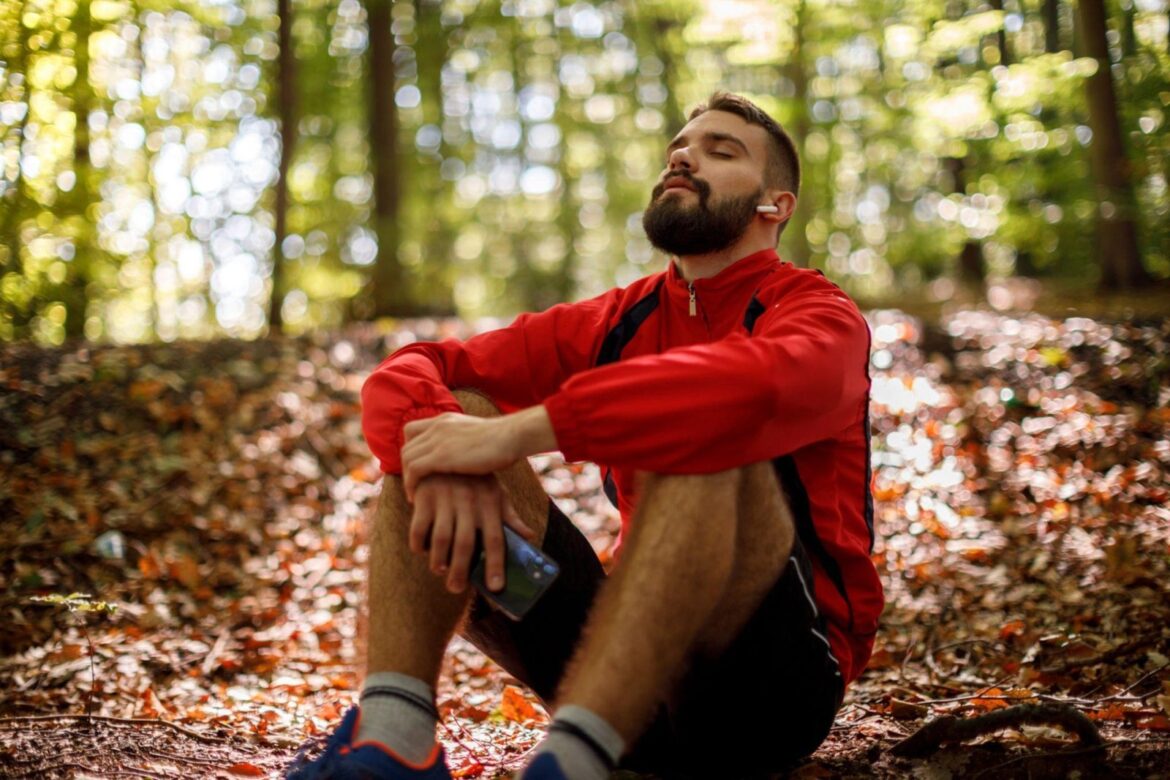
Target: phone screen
x,y
528,572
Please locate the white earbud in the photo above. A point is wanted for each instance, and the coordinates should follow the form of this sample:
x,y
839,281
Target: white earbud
x,y
767,209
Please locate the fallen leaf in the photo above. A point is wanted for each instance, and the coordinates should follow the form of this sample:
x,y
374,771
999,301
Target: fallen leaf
x,y
516,707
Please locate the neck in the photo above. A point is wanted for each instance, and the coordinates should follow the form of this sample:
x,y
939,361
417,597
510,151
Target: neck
x,y
692,267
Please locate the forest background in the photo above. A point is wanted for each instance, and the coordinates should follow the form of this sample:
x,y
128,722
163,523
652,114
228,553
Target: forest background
x,y
204,205
193,169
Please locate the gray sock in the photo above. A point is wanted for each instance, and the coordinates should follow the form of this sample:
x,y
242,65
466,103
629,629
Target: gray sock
x,y
585,745
399,712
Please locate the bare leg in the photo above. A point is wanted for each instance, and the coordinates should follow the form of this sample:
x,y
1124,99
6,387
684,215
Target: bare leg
x,y
411,614
702,553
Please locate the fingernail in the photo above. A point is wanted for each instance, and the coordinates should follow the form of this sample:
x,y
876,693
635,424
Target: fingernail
x,y
497,582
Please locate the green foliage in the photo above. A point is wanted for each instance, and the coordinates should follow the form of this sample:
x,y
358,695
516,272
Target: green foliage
x,y
77,603
140,142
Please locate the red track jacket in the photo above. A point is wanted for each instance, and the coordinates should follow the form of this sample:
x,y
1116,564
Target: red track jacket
x,y
764,361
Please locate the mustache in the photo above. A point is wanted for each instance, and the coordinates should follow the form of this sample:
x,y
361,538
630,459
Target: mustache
x,y
701,187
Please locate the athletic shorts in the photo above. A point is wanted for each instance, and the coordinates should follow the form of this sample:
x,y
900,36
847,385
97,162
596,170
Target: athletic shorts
x,y
767,702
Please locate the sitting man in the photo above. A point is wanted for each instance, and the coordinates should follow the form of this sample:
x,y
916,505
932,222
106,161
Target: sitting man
x,y
726,400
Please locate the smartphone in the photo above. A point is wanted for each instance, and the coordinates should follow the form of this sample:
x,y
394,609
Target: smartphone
x,y
528,573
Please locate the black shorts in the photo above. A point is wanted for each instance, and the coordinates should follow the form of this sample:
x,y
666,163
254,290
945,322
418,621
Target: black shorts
x,y
768,701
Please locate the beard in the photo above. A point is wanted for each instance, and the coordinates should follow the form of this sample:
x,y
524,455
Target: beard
x,y
679,229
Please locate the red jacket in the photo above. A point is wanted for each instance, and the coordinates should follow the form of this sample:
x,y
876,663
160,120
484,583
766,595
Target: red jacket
x,y
772,365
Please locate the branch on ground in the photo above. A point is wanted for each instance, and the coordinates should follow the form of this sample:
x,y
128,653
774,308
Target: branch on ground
x,y
930,737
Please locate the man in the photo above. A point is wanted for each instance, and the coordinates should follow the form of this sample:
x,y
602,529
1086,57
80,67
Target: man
x,y
726,400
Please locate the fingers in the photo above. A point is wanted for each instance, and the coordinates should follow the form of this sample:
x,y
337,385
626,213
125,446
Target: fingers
x,y
421,521
493,538
512,518
464,536
442,533
449,512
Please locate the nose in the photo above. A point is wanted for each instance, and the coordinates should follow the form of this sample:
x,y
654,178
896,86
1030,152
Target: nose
x,y
680,158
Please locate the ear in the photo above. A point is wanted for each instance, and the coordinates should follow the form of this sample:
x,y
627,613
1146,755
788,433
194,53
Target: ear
x,y
784,201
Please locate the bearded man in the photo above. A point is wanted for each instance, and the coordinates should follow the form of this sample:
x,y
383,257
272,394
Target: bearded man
x,y
726,401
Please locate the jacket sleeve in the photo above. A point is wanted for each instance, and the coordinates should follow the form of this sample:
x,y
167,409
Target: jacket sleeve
x,y
516,366
801,378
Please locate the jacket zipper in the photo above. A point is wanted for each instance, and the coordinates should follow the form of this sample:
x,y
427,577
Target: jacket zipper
x,y
693,306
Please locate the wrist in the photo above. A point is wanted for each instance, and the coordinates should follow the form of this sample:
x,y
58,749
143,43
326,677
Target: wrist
x,y
531,432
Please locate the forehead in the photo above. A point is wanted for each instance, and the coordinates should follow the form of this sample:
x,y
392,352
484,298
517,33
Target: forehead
x,y
754,137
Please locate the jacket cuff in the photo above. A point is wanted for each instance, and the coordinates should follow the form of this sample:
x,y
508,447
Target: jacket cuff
x,y
393,464
565,421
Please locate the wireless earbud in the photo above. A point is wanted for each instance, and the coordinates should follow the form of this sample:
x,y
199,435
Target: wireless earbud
x,y
767,209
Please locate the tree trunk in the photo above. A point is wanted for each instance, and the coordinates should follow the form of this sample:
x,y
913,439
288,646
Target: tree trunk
x,y
970,261
438,235
14,195
795,235
1052,26
660,39
75,291
286,98
1120,258
1005,55
389,296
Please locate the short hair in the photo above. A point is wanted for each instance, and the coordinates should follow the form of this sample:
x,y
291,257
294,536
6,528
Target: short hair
x,y
783,165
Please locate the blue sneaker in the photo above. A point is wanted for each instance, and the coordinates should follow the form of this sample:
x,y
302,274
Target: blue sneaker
x,y
344,760
544,767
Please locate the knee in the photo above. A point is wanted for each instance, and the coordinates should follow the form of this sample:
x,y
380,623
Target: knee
x,y
475,403
715,485
392,510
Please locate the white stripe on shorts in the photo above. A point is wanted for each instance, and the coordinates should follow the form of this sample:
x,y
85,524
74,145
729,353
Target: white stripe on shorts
x,y
816,613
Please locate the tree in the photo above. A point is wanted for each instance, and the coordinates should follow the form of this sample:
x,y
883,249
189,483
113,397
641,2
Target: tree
x,y
286,98
1121,262
387,288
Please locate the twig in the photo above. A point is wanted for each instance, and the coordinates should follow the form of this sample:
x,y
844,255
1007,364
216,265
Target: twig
x,y
950,729
1100,658
220,643
459,742
90,772
113,719
969,696
1140,680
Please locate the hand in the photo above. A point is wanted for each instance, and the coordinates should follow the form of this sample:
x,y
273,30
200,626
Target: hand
x,y
456,444
451,509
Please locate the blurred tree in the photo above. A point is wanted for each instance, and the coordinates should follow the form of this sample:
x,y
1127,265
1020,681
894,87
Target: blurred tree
x,y
1121,262
79,205
286,105
388,293
15,287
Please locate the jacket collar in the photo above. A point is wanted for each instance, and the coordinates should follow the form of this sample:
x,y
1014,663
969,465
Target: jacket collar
x,y
745,272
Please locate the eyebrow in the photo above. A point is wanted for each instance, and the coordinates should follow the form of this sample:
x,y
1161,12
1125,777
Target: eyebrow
x,y
710,136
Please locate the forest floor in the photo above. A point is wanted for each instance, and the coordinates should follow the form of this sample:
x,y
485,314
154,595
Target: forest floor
x,y
215,494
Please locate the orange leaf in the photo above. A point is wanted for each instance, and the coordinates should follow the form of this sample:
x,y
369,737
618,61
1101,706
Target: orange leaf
x,y
516,707
1112,712
991,699
244,768
1012,628
471,769
882,659
1154,723
149,567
